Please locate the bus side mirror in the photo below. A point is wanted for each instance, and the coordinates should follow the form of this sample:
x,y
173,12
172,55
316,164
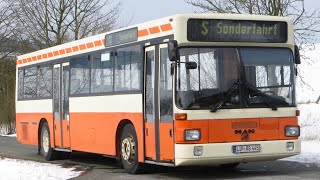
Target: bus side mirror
x,y
296,55
173,50
191,65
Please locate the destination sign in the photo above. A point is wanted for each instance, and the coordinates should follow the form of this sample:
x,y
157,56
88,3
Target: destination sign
x,y
121,37
236,31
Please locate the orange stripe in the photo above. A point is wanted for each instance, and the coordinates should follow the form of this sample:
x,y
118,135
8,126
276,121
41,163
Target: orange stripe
x,y
166,27
39,57
143,32
34,58
97,43
44,56
75,48
83,47
69,50
50,54
56,53
62,51
90,45
29,59
154,30
17,62
24,61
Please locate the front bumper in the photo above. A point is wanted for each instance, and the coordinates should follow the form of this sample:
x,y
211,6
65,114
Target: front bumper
x,y
221,153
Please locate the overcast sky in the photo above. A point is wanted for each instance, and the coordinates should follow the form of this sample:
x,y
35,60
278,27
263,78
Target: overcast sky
x,y
146,10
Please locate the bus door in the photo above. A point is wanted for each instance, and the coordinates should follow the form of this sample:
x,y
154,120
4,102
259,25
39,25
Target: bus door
x,y
61,106
158,110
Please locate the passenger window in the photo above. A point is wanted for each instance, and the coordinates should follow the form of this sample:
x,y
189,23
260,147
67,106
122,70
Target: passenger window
x,y
102,73
44,88
30,82
80,75
128,65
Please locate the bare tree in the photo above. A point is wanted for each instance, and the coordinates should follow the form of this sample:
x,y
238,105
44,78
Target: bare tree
x,y
6,30
93,17
46,23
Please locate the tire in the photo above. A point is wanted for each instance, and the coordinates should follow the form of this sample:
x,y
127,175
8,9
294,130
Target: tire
x,y
129,150
229,166
45,150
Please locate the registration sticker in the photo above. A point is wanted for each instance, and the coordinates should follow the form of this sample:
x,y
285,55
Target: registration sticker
x,y
253,148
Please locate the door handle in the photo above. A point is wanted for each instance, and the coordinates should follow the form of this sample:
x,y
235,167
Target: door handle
x,y
68,127
171,132
146,131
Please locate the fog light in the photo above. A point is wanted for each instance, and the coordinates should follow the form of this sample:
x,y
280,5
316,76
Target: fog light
x,y
198,151
290,146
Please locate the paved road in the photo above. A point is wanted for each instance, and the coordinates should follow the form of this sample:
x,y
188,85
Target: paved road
x,y
97,167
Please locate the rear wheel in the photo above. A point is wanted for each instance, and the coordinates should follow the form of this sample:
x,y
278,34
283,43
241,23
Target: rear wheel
x,y
45,149
129,150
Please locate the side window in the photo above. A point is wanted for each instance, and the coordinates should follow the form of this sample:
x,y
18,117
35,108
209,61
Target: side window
x,y
102,73
80,75
44,88
30,82
20,84
166,102
128,65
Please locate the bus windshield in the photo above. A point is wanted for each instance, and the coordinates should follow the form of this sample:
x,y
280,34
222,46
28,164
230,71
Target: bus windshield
x,y
235,78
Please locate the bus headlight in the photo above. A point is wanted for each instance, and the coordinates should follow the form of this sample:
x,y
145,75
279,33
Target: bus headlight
x,y
192,135
292,131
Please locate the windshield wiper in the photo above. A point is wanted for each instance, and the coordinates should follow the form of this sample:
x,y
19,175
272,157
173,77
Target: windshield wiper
x,y
264,95
224,98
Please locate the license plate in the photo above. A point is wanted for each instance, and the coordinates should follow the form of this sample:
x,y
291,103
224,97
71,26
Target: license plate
x,y
246,148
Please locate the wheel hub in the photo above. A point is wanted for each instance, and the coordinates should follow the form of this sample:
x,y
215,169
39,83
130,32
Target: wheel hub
x,y
45,141
128,149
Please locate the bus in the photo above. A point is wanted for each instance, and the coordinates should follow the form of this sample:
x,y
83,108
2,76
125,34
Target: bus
x,y
185,90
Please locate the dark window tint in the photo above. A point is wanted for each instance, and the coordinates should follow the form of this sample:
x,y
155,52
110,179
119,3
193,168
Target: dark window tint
x,y
44,82
150,75
80,75
128,69
30,82
166,111
20,84
56,93
65,93
102,73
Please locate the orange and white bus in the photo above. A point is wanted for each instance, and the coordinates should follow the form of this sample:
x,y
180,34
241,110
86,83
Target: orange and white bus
x,y
195,89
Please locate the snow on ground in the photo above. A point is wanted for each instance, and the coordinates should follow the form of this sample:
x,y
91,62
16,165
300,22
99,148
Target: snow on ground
x,y
310,153
11,169
10,135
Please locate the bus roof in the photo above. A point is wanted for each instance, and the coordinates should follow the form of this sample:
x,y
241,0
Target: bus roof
x,y
152,29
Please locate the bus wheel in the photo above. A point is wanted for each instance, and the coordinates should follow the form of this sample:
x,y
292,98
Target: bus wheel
x,y
229,166
47,152
129,150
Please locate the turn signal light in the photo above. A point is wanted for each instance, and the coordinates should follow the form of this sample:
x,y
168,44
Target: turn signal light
x,y
297,112
180,116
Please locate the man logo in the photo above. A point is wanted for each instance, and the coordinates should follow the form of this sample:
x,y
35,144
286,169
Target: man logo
x,y
244,133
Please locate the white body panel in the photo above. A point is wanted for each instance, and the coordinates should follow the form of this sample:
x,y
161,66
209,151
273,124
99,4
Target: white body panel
x,y
238,113
34,106
221,153
113,103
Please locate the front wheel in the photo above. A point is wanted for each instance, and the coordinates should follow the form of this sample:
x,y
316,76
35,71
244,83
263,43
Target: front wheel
x,y
129,150
46,151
